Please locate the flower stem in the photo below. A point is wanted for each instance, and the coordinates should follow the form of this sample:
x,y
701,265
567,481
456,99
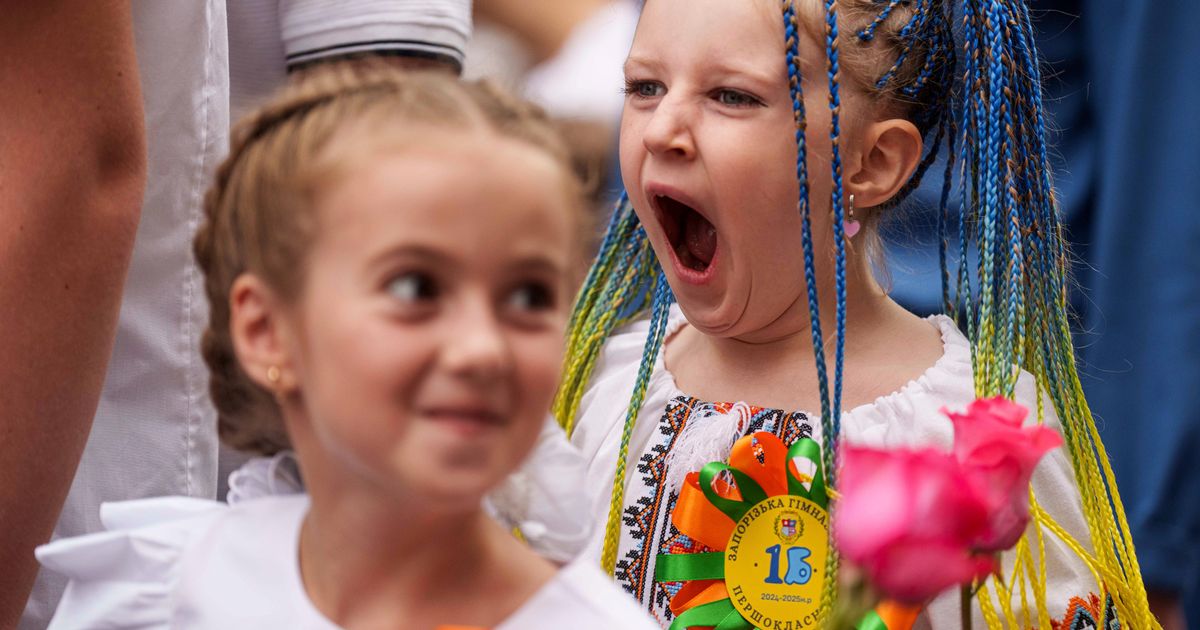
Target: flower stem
x,y
966,606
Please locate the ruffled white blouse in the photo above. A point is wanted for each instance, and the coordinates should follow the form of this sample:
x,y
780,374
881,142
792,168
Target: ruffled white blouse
x,y
908,418
178,562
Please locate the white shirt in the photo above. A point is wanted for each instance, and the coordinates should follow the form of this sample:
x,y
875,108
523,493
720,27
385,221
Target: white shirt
x,y
546,498
907,418
155,431
176,562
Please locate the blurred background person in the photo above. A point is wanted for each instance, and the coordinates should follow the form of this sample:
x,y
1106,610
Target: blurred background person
x,y
83,147
272,39
567,56
72,176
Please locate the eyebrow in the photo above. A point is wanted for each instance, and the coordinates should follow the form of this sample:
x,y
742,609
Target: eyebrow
x,y
641,61
537,262
419,252
718,68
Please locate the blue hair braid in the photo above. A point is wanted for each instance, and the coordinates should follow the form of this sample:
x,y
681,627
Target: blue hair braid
x,y
792,37
839,233
908,36
867,33
943,221
654,341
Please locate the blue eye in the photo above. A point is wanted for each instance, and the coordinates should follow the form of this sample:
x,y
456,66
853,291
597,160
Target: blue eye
x,y
412,287
734,98
644,89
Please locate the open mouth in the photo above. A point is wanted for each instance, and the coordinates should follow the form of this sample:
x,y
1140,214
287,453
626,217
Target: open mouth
x,y
692,237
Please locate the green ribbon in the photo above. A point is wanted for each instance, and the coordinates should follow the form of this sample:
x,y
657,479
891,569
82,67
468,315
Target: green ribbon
x,y
806,448
720,615
871,622
751,492
681,567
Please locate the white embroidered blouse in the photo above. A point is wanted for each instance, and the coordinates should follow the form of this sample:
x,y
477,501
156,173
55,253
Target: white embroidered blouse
x,y
909,417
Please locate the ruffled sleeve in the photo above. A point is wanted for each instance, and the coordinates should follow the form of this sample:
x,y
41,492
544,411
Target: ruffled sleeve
x,y
547,498
259,477
124,577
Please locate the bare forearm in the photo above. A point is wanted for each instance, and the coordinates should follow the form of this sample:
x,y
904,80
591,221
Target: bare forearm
x,y
72,173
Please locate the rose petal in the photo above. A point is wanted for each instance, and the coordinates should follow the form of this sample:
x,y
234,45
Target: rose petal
x,y
916,573
998,457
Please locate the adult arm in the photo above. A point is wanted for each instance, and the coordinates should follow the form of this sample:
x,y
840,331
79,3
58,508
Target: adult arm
x,y
72,175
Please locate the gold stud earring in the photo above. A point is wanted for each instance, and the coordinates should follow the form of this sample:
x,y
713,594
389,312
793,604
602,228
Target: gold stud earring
x,y
273,376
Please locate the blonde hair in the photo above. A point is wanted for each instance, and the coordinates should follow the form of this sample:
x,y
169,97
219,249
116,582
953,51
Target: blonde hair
x,y
259,215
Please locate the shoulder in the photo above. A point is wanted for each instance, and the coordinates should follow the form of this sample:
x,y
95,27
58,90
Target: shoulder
x,y
580,597
138,572
911,416
548,498
140,534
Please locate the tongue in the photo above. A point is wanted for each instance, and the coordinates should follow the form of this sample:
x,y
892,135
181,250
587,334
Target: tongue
x,y
700,237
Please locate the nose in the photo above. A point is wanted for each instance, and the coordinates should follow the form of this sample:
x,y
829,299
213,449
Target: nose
x,y
669,131
476,346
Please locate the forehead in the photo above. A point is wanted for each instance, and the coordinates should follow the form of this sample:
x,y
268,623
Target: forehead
x,y
479,196
730,32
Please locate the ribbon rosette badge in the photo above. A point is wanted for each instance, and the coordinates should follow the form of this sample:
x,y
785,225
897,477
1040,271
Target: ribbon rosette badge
x,y
770,531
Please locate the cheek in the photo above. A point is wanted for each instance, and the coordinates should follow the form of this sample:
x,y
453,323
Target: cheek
x,y
361,378
373,349
762,176
630,151
538,366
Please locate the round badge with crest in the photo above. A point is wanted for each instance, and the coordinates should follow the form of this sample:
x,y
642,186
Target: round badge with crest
x,y
770,525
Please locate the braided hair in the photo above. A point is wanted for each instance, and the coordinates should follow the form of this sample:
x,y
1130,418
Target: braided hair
x,y
259,214
986,110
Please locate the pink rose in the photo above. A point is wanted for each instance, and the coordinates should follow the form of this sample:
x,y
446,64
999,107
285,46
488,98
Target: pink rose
x,y
908,520
998,456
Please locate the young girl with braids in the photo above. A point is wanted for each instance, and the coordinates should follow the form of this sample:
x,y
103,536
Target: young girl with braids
x,y
388,261
762,143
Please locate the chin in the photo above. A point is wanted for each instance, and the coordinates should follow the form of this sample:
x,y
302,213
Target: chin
x,y
721,319
456,491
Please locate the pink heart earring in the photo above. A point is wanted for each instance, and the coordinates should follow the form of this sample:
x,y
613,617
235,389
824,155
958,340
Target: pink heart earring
x,y
850,226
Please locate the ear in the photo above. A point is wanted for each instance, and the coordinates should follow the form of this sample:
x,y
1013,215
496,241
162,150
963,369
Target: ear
x,y
891,150
260,334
